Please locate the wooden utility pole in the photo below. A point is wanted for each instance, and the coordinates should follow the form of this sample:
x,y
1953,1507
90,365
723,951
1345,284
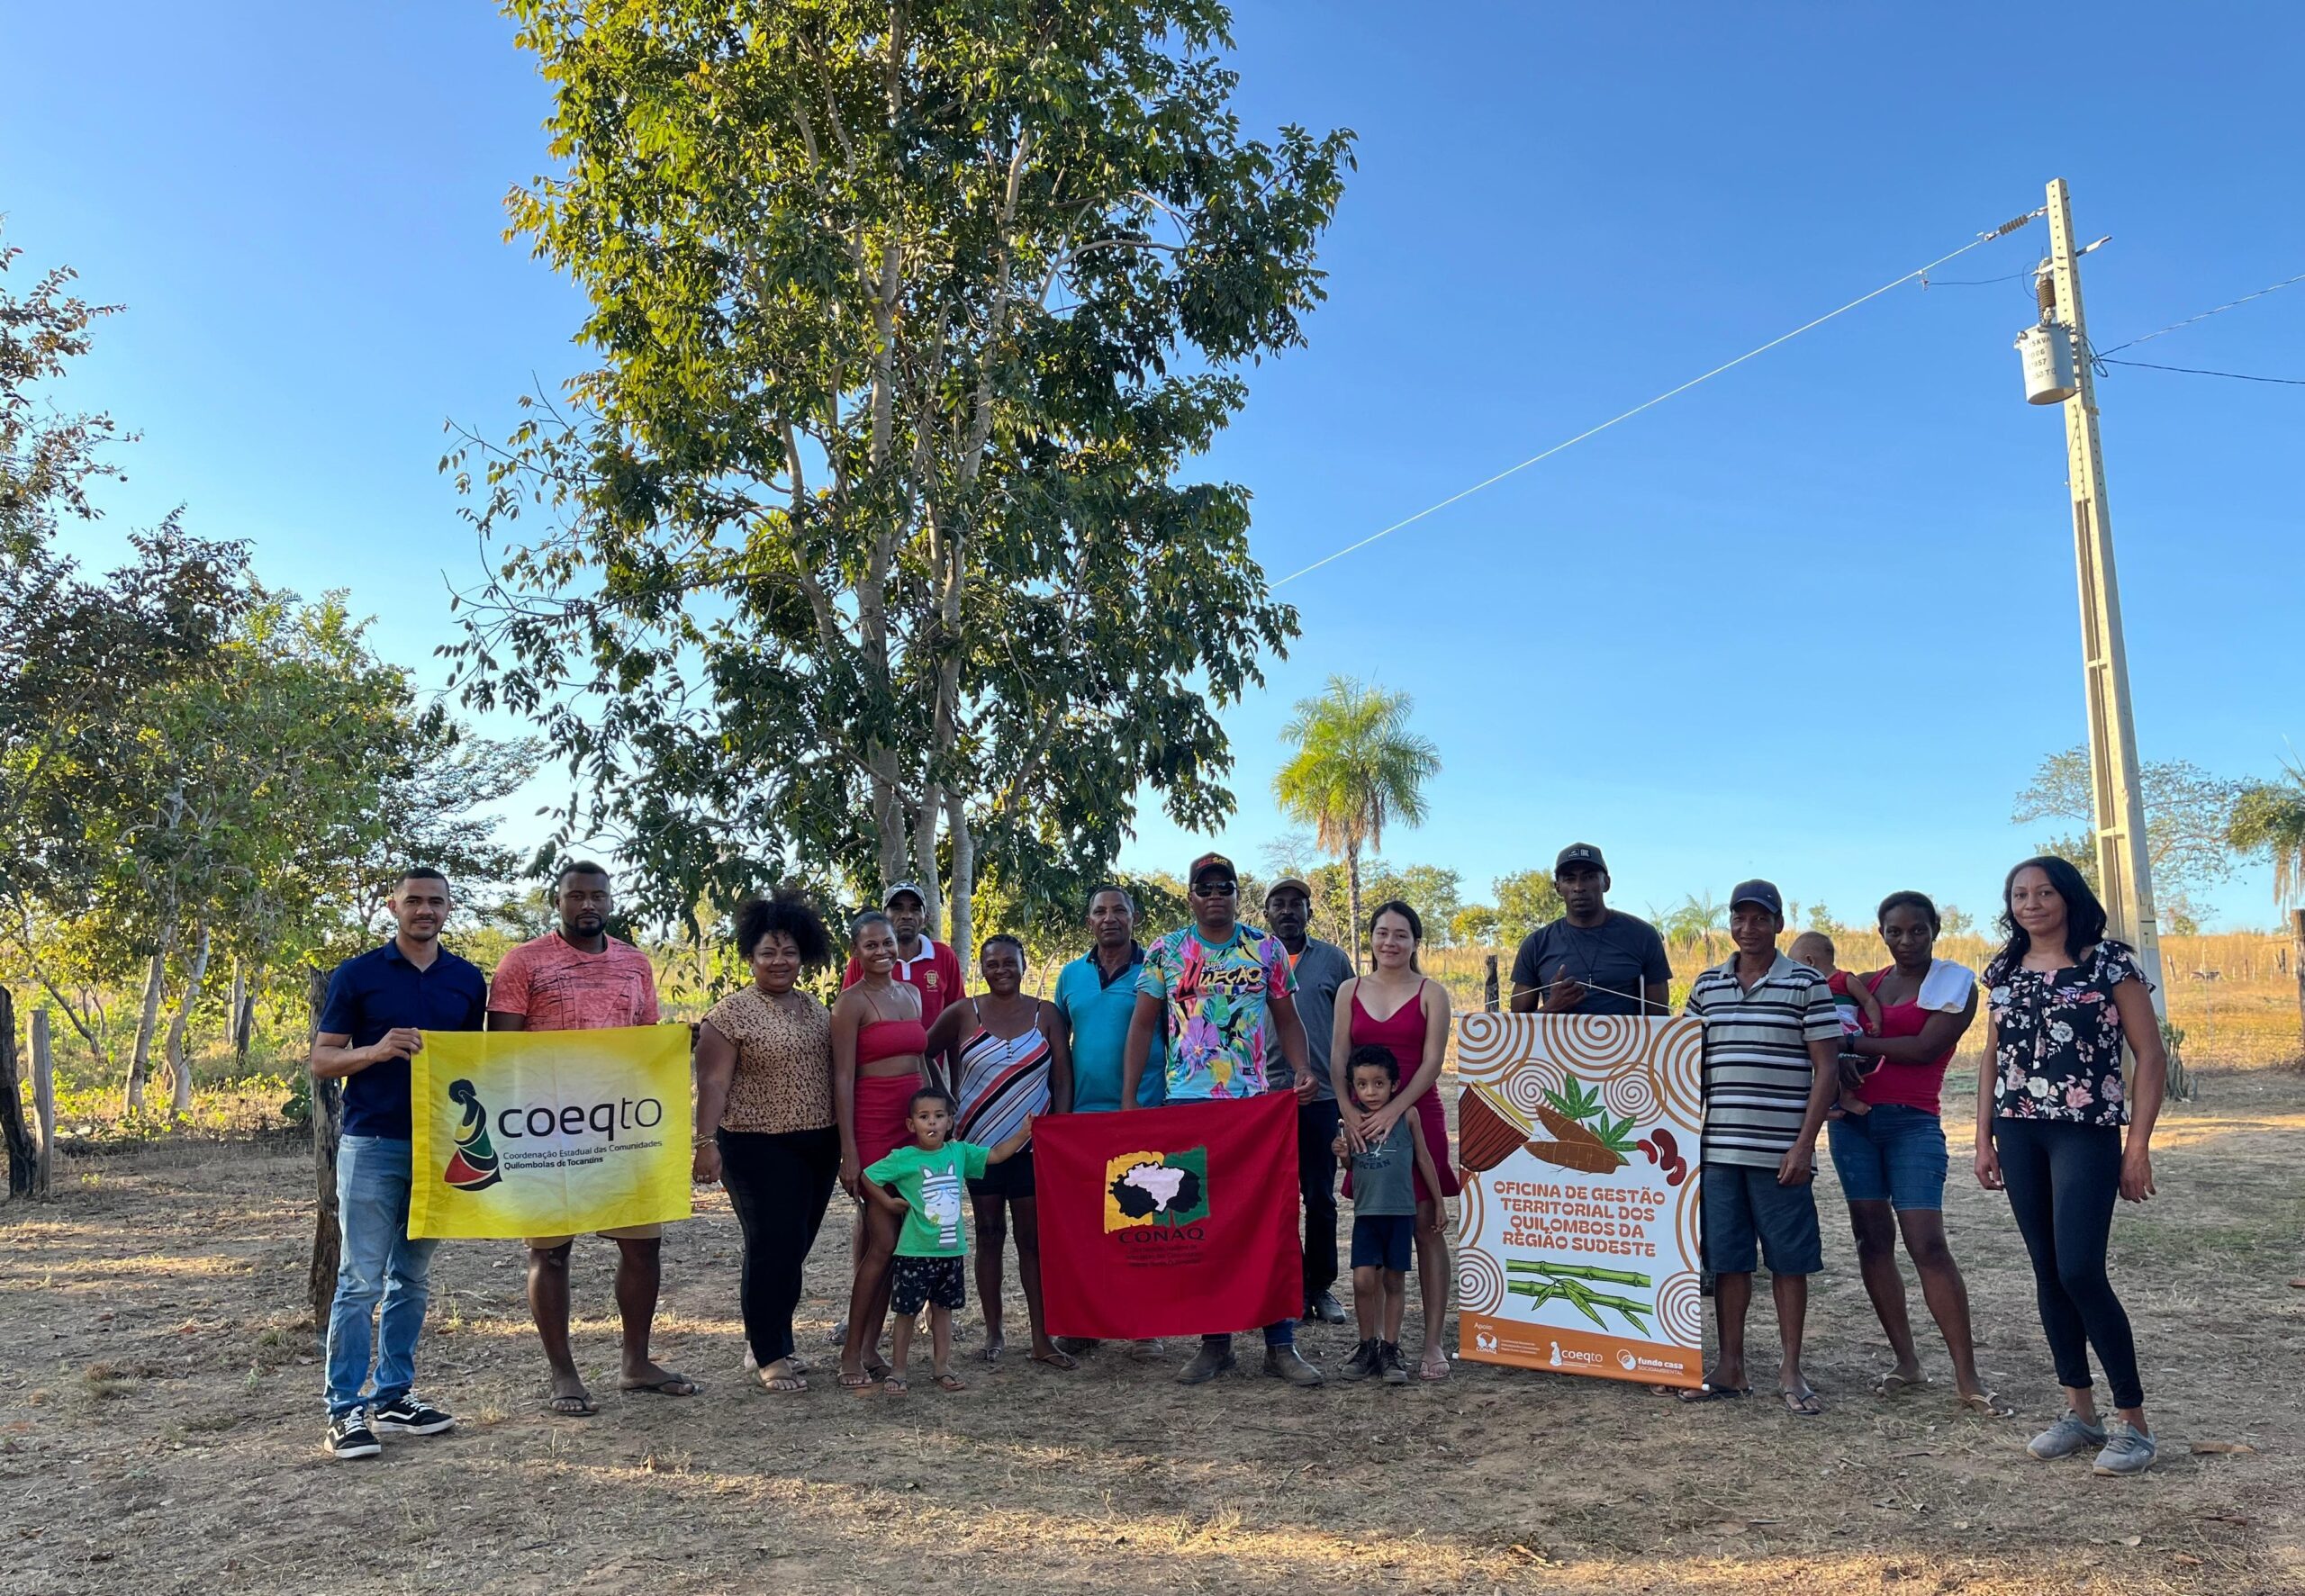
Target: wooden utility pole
x,y
44,1103
2124,862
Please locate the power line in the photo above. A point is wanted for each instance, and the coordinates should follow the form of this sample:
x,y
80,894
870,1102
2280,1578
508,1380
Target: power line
x,y
2196,371
2205,315
2009,226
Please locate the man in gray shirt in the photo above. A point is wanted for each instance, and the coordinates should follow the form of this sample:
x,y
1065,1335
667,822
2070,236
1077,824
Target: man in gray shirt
x,y
1321,968
1593,960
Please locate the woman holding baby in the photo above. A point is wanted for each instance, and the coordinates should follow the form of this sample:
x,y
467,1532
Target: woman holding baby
x,y
1889,1148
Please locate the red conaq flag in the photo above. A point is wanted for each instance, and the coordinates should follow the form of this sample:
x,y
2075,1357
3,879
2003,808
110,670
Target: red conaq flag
x,y
1169,1222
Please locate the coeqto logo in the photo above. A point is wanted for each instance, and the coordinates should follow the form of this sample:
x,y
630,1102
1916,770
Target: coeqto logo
x,y
471,1168
1156,1190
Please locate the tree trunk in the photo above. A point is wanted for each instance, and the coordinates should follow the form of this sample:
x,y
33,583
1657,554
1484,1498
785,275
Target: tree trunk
x,y
963,893
1352,904
23,1156
327,1126
139,1061
179,1064
242,1013
1489,987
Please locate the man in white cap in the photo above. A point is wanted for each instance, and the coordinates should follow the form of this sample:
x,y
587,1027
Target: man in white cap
x,y
927,965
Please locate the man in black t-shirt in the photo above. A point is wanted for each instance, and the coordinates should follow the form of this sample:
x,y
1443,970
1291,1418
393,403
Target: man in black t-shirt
x,y
1593,959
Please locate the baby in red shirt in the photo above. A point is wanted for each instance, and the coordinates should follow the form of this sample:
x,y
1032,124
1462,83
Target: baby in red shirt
x,y
1860,1014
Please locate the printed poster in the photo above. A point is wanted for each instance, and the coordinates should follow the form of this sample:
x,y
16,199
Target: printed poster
x,y
1577,1246
1169,1221
549,1133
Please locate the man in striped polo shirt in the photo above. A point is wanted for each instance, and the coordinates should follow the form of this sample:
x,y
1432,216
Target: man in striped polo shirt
x,y
1771,1038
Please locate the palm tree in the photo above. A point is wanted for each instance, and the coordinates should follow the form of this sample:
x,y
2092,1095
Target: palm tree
x,y
1700,920
1357,768
2270,818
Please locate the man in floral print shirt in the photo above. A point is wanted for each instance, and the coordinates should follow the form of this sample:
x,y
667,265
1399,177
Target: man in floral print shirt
x,y
1224,993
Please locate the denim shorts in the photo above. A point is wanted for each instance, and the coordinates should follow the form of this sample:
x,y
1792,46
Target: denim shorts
x,y
1893,1155
1746,1208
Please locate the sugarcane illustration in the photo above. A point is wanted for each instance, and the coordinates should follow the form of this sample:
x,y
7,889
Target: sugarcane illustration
x,y
1568,1282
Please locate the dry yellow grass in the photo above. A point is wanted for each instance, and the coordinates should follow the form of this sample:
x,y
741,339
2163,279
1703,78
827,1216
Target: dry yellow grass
x,y
2235,996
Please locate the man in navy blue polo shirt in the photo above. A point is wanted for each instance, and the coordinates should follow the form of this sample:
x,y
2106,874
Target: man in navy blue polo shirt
x,y
379,1005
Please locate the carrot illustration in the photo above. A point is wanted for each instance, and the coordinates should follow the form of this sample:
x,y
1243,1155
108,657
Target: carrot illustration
x,y
1565,1129
1589,1156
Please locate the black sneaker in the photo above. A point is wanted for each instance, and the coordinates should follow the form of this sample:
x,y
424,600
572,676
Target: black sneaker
x,y
1395,1366
410,1414
350,1436
1363,1362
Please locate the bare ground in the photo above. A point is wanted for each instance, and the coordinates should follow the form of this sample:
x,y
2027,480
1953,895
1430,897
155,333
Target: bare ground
x,y
160,1426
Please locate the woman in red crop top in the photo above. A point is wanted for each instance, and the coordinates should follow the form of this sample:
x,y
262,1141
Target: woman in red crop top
x,y
879,1060
1891,1160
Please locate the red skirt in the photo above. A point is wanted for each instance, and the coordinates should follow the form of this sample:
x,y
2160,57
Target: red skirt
x,y
882,1104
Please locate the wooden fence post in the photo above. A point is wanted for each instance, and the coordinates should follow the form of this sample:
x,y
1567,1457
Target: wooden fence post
x,y
1489,987
327,1126
44,1102
2297,962
23,1156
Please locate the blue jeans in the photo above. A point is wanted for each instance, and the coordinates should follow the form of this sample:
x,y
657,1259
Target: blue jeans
x,y
1282,1332
380,1263
1893,1155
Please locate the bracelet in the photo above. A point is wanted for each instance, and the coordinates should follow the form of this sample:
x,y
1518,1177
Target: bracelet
x,y
703,1142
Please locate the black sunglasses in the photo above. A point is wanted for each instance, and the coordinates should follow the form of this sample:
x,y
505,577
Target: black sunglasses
x,y
1216,889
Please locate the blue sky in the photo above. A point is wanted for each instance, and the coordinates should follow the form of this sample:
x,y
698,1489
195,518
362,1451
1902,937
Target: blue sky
x,y
1815,619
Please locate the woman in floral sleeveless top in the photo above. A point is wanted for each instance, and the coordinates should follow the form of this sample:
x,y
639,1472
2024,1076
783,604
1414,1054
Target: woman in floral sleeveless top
x,y
2050,1108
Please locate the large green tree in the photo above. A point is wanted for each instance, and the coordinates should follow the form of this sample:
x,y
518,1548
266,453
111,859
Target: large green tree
x,y
2187,813
1356,769
2269,820
862,546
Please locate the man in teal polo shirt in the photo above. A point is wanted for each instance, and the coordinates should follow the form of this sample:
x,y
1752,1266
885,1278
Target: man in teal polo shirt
x,y
1096,995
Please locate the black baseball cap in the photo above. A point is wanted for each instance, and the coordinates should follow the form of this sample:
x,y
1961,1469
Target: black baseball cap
x,y
1209,863
1581,854
1764,893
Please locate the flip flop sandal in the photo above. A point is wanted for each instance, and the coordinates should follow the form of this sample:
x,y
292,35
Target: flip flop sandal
x,y
1892,1385
1425,1369
1713,1393
670,1385
782,1382
860,1382
571,1407
992,1354
1057,1360
951,1382
1988,1405
894,1385
1802,1403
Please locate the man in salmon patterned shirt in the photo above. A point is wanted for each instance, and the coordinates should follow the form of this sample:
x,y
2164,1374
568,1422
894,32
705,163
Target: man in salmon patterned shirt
x,y
1225,995
579,977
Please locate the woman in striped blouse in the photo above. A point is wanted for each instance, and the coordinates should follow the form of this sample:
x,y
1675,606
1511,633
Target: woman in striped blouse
x,y
1010,1060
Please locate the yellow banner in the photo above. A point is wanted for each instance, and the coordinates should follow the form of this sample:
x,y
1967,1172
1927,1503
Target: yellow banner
x,y
1576,1238
549,1133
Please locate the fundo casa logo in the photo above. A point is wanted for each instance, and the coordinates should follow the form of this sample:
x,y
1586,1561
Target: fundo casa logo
x,y
471,1168
1157,1191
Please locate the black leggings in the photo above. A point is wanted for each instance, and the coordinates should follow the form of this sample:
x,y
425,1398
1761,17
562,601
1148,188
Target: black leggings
x,y
778,1183
2063,1181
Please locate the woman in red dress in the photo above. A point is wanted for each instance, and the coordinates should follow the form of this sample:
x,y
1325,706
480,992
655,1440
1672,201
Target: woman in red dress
x,y
1395,1007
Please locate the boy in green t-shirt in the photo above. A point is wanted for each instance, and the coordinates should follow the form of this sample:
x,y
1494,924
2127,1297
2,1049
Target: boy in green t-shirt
x,y
922,1184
